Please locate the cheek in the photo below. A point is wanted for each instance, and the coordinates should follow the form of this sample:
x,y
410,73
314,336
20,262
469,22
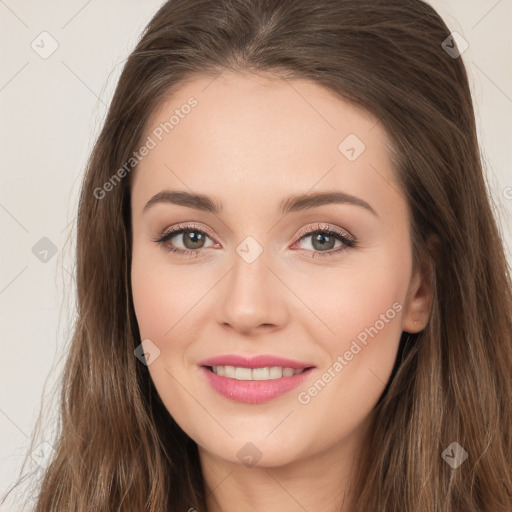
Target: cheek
x,y
163,307
369,307
364,311
153,307
358,365
160,297
362,299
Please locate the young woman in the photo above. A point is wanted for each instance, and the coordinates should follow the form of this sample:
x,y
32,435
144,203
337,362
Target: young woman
x,y
292,292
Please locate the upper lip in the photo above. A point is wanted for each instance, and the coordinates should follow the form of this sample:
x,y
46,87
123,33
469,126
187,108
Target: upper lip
x,y
261,361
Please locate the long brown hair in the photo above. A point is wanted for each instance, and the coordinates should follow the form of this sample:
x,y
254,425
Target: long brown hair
x,y
118,449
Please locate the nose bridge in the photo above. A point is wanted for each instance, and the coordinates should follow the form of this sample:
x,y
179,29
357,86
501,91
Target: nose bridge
x,y
250,297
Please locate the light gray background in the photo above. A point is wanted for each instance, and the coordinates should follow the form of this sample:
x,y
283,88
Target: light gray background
x,y
52,110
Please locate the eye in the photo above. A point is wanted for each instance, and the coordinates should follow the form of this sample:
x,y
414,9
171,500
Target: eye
x,y
323,240
193,240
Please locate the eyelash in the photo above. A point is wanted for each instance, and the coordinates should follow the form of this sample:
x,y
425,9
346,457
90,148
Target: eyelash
x,y
349,243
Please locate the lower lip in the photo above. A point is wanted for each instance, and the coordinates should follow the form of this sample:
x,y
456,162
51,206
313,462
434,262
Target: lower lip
x,y
254,391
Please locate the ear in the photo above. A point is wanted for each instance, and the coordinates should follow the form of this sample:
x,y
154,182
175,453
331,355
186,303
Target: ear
x,y
420,294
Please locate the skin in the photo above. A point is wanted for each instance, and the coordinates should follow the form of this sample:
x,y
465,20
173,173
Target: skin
x,y
250,142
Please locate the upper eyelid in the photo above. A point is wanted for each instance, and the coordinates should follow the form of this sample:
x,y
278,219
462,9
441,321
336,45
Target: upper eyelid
x,y
178,230
327,228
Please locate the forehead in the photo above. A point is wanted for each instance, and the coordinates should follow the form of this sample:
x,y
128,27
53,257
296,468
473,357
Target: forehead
x,y
253,135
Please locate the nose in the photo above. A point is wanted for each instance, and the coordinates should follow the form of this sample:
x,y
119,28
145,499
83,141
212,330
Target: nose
x,y
251,297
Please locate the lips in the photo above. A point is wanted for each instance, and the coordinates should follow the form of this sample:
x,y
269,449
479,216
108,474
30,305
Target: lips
x,y
254,391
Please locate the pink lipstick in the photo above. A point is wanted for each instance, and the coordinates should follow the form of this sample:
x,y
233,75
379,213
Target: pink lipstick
x,y
254,380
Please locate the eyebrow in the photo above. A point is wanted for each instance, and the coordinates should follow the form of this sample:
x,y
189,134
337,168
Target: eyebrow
x,y
294,203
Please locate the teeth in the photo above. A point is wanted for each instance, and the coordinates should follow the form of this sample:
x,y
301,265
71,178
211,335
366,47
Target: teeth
x,y
274,372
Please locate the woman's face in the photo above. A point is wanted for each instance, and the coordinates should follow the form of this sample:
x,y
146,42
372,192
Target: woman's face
x,y
271,267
